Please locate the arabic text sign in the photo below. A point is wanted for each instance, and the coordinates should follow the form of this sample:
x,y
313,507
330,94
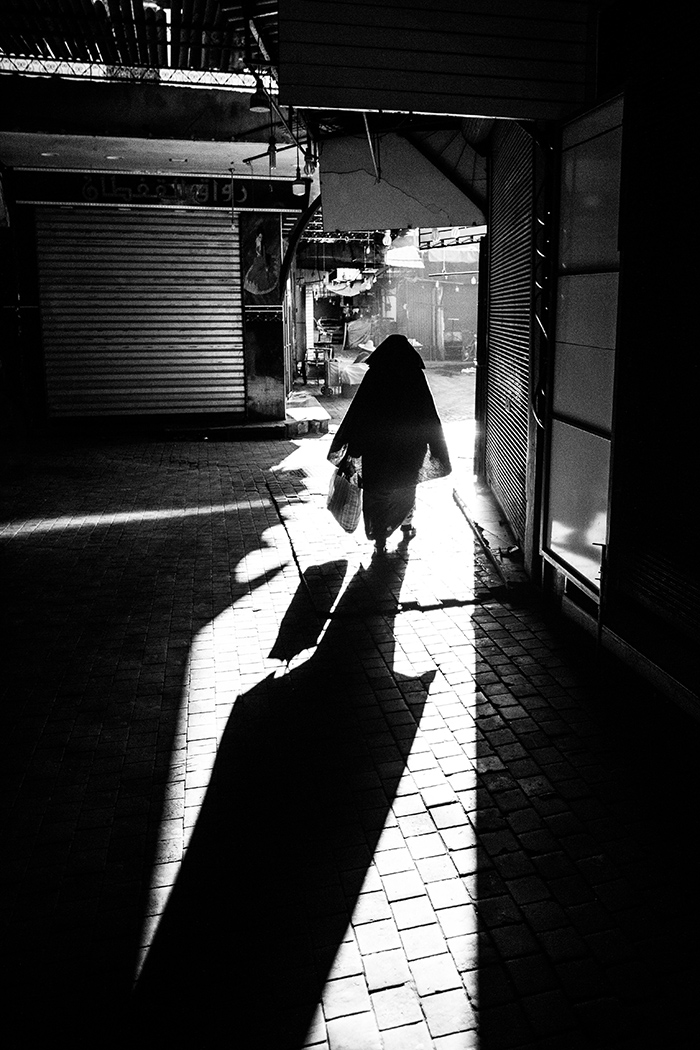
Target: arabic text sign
x,y
157,191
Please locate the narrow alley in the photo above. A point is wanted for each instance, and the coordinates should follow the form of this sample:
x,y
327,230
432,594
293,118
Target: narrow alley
x,y
262,791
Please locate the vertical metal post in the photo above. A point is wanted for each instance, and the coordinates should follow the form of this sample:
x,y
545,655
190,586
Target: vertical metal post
x,y
601,602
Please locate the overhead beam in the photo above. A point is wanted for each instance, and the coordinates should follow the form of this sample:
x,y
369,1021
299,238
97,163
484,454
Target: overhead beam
x,y
446,169
294,238
262,47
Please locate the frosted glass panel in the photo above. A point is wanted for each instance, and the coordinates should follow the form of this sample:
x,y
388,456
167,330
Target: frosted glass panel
x,y
587,309
578,498
583,384
590,203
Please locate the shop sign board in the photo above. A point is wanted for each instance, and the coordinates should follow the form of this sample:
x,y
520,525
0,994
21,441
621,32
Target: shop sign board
x,y
165,191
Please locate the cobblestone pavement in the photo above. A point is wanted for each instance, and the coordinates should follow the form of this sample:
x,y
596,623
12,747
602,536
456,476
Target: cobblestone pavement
x,y
263,791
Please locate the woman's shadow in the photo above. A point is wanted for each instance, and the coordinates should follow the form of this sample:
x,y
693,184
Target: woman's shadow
x,y
304,780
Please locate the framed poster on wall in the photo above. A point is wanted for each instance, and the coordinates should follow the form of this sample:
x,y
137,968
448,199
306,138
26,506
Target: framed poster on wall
x,y
261,259
263,326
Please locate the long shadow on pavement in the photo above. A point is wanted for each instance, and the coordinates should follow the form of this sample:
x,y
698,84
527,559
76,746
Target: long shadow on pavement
x,y
301,789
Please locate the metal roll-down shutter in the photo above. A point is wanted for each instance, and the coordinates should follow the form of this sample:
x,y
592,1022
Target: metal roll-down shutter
x,y
141,311
509,314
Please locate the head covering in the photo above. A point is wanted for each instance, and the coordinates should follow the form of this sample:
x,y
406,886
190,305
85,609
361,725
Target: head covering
x,y
392,431
395,353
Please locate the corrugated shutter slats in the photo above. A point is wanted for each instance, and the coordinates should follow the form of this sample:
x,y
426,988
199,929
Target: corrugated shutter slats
x,y
141,312
509,322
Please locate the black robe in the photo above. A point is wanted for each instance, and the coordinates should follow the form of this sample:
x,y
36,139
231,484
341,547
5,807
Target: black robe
x,y
391,435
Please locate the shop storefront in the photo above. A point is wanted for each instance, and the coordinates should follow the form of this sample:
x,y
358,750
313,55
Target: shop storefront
x,y
156,296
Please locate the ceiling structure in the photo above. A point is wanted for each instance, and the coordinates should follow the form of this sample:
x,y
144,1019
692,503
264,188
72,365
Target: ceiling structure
x,y
168,83
124,53
216,36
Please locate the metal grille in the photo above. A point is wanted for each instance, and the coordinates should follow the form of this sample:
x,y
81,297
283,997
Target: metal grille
x,y
194,35
509,316
141,312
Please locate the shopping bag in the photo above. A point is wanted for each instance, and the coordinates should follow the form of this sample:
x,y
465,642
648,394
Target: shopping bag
x,y
344,501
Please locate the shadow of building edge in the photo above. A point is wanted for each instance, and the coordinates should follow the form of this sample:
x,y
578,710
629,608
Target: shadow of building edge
x,y
612,969
286,834
70,945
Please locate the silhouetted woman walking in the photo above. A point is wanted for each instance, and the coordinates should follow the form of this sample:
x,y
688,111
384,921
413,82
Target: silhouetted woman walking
x,y
392,427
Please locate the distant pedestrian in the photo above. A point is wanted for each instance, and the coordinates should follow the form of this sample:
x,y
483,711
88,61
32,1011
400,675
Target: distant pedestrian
x,y
393,428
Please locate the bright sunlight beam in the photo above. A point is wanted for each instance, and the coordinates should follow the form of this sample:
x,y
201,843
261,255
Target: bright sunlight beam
x,y
34,526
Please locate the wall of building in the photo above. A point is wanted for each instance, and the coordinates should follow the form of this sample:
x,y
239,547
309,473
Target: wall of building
x,y
473,57
648,606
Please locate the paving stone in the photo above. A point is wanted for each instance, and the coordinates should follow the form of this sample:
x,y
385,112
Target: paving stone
x,y
437,973
403,885
554,865
386,969
499,843
316,1031
448,893
436,869
390,838
514,940
346,995
396,1007
416,911
416,824
455,763
449,816
394,860
545,915
448,1013
465,861
377,936
498,911
346,962
531,974
459,838
425,778
440,795
458,921
370,907
423,941
526,890
421,846
458,1041
359,1032
408,1037
525,820
493,986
